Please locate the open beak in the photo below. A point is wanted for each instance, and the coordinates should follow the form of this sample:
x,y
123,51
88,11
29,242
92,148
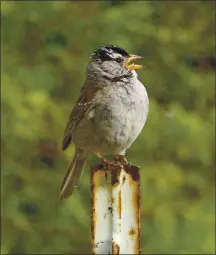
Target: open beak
x,y
132,66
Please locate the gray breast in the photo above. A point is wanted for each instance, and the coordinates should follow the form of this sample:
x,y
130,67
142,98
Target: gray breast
x,y
116,119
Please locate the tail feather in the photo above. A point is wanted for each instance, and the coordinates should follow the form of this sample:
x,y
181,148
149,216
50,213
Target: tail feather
x,y
73,176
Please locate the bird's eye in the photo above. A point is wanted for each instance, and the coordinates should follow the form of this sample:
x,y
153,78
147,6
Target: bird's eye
x,y
118,60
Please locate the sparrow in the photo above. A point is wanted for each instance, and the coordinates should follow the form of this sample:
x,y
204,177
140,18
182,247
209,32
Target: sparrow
x,y
109,114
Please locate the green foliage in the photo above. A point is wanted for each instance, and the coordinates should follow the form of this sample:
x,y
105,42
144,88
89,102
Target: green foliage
x,y
45,49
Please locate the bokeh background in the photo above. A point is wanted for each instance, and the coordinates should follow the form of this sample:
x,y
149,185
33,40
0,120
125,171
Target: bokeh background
x,y
45,50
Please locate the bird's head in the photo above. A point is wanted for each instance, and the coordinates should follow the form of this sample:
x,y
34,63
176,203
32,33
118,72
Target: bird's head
x,y
114,61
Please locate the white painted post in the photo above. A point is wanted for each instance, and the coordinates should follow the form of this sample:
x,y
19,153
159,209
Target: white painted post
x,y
115,210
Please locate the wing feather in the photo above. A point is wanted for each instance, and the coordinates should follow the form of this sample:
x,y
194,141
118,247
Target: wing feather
x,y
77,113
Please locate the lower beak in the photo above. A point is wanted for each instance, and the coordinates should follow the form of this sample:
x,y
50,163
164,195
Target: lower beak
x,y
132,66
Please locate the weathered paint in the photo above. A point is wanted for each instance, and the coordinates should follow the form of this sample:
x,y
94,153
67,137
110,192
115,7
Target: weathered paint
x,y
101,211
115,210
130,231
116,177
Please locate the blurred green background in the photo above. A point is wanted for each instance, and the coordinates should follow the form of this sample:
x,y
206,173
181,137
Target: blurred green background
x,y
45,50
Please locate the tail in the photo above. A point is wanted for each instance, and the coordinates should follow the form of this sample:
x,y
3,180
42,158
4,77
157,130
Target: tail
x,y
73,175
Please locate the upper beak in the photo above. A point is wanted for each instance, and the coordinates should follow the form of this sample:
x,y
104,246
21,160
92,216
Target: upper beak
x,y
132,66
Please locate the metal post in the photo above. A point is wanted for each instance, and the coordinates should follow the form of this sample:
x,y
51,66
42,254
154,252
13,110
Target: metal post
x,y
115,210
101,211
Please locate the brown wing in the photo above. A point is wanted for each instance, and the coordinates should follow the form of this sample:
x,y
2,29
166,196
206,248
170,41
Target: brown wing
x,y
82,104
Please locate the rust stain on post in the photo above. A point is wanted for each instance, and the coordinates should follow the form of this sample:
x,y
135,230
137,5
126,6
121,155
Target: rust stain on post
x,y
133,171
115,248
115,175
132,232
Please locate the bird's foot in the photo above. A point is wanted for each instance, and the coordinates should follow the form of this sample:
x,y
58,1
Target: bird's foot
x,y
109,165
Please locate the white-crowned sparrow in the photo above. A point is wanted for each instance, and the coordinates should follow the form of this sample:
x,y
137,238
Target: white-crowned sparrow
x,y
109,114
